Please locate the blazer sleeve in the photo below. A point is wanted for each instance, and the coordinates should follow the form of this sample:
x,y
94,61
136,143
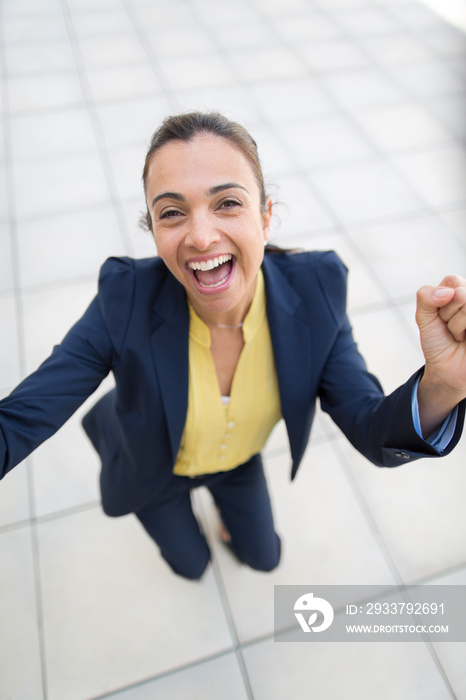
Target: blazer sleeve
x,y
45,400
380,427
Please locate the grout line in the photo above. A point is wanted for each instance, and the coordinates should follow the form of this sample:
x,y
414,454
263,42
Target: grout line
x,y
12,222
384,550
97,128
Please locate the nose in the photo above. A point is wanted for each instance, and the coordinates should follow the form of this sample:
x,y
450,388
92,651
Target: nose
x,y
202,232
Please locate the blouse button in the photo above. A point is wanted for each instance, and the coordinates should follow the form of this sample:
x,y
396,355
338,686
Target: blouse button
x,y
230,424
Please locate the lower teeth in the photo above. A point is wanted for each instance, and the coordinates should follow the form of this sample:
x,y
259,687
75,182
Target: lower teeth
x,y
212,286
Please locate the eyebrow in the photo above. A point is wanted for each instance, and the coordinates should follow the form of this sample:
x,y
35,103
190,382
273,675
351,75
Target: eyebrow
x,y
216,189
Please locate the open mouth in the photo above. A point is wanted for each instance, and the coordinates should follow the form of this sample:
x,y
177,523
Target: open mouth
x,y
213,273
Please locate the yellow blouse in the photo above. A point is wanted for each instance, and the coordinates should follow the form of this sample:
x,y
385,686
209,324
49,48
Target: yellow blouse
x,y
220,436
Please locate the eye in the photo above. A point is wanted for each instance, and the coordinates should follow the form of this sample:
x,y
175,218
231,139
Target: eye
x,y
170,214
229,204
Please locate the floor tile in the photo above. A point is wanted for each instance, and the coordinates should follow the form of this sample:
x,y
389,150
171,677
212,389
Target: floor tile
x,y
123,82
353,671
327,141
456,221
217,15
340,54
275,156
415,16
175,42
280,106
387,345
391,250
363,286
307,27
419,510
21,58
365,191
406,49
450,111
250,35
58,184
114,614
445,40
106,50
14,494
20,664
297,209
267,64
6,260
428,79
35,28
132,123
201,72
65,469
233,100
44,91
80,244
362,89
325,539
452,655
127,166
48,135
49,313
10,371
402,126
372,21
100,22
208,681
439,175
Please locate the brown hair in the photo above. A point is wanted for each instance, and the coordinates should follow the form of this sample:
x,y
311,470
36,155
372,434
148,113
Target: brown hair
x,y
184,127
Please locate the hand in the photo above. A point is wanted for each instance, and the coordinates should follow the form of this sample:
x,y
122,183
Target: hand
x,y
441,317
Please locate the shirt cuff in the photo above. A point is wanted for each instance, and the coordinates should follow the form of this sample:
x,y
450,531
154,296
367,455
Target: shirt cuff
x,y
441,438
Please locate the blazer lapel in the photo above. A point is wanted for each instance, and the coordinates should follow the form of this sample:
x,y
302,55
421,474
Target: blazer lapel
x,y
169,344
291,341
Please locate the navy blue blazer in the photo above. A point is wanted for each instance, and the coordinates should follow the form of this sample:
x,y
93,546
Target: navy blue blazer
x,y
137,327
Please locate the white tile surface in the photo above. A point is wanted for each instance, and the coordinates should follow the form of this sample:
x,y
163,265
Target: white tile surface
x,y
58,133
208,681
280,105
439,176
328,141
6,260
419,509
123,82
20,665
366,191
48,314
10,371
113,610
362,89
58,184
352,671
325,540
392,249
44,91
14,496
80,243
401,127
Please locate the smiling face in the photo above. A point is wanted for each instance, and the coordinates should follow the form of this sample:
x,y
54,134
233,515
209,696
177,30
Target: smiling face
x,y
208,223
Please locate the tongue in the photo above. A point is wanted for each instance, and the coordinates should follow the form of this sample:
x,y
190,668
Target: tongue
x,y
209,278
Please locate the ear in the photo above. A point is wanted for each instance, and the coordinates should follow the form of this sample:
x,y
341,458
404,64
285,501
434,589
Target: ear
x,y
267,218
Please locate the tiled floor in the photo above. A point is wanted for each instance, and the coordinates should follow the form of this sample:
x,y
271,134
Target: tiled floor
x,y
359,109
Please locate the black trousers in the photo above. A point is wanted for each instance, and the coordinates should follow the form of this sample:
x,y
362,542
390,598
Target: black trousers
x,y
242,497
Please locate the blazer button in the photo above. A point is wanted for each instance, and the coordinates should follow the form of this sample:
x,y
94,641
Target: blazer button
x,y
402,455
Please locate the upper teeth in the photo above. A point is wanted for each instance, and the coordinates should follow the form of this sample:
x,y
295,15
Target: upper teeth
x,y
210,264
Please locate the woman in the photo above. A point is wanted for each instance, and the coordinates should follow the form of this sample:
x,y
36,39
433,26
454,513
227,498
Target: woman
x,y
211,343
